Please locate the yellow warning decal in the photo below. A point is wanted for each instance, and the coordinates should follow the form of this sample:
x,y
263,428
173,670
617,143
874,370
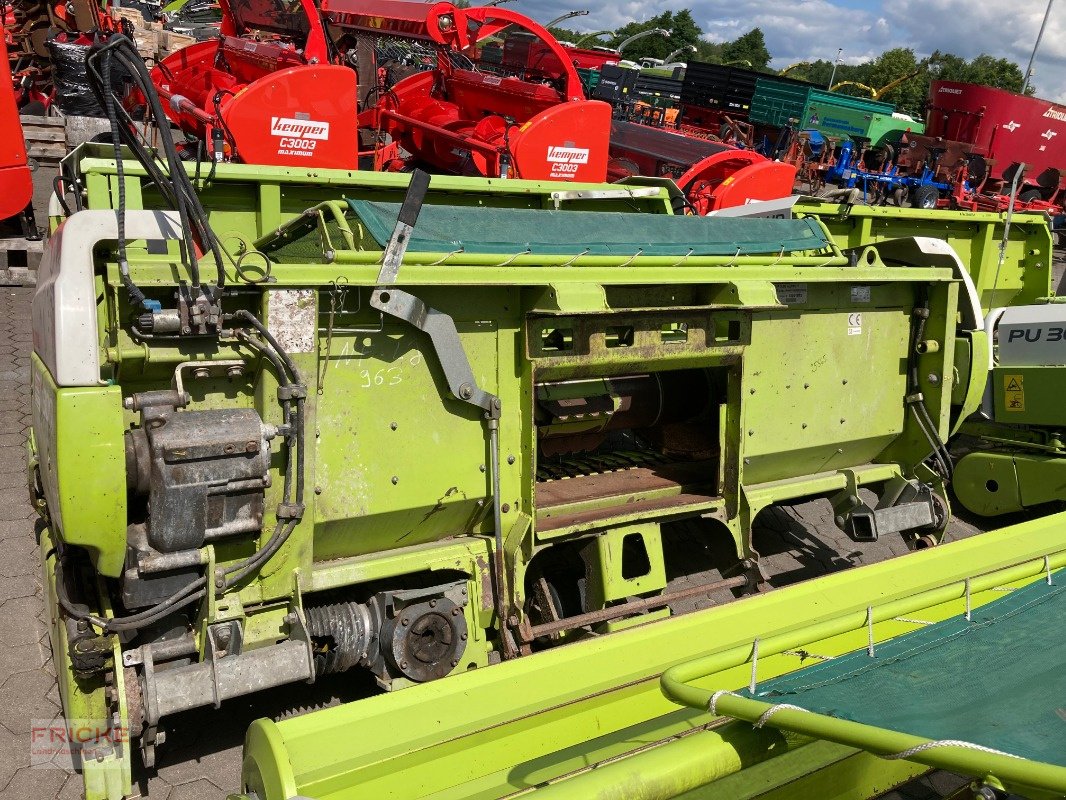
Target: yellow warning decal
x,y
1014,392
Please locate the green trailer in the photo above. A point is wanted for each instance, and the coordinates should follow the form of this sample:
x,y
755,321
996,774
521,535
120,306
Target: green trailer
x,y
836,115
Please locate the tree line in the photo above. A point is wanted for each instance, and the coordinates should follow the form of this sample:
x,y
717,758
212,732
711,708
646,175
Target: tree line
x,y
897,76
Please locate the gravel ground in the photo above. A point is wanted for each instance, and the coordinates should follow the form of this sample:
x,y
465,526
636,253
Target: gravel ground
x,y
201,758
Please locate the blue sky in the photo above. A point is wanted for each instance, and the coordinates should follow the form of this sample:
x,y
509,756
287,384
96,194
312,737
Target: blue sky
x,y
802,30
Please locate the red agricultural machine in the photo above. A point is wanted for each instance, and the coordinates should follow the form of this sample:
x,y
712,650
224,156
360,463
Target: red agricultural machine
x,y
280,87
16,184
290,97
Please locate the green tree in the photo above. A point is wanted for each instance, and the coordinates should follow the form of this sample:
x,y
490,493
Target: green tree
x,y
649,46
749,49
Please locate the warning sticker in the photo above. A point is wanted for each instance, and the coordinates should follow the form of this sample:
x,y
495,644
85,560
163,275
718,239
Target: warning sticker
x,y
860,294
1014,392
854,324
791,294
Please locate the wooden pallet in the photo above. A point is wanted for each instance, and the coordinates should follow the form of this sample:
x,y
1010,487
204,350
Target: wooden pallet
x,y
19,260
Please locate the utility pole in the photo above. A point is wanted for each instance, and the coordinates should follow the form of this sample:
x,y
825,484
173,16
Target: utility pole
x,y
833,76
1039,36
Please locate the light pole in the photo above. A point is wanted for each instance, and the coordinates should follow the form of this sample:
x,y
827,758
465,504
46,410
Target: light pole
x,y
1039,36
833,76
567,15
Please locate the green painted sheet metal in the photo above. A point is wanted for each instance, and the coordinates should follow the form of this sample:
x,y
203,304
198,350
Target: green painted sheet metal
x,y
597,700
78,433
508,231
1024,276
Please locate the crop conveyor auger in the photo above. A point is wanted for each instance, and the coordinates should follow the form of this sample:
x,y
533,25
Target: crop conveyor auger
x,y
286,427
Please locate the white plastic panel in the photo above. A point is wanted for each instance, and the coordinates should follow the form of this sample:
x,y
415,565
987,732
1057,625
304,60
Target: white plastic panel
x,y
65,335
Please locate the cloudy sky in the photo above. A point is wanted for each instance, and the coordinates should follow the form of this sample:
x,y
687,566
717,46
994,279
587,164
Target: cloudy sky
x,y
805,30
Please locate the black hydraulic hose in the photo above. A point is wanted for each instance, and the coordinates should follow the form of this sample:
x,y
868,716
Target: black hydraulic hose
x,y
254,321
189,593
113,48
921,413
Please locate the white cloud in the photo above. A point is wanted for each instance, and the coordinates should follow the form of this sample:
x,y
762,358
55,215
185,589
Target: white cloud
x,y
807,30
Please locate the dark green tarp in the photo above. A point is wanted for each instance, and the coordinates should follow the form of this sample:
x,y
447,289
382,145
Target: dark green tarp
x,y
506,231
998,680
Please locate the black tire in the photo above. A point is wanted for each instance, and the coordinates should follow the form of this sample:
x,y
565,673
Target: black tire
x,y
925,197
1029,195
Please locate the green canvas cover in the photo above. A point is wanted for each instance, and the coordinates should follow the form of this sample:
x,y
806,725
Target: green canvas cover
x,y
507,231
997,680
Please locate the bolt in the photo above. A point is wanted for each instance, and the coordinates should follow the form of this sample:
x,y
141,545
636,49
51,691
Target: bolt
x,y
505,508
462,636
395,480
751,433
806,386
403,665
251,447
465,391
803,425
234,371
841,422
751,391
512,621
186,330
220,583
510,459
291,618
840,450
83,626
455,662
405,621
455,612
201,373
318,490
229,449
393,425
432,603
747,460
496,403
845,382
481,467
934,378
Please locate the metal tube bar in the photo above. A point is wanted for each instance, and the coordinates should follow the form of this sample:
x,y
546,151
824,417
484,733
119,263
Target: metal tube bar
x,y
195,685
880,741
164,562
636,606
676,681
546,260
444,133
